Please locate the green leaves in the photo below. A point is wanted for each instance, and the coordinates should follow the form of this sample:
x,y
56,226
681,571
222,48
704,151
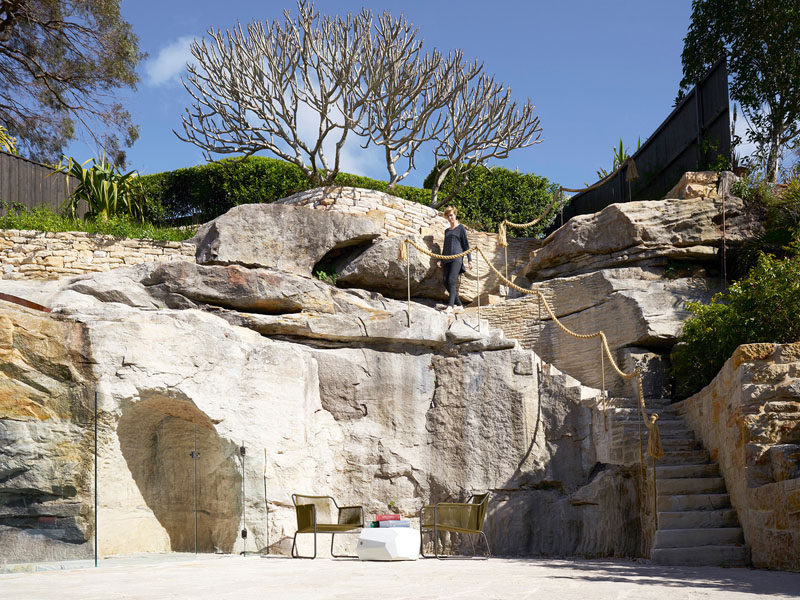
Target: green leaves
x,y
761,41
62,63
43,219
204,192
491,195
7,142
620,155
105,190
763,307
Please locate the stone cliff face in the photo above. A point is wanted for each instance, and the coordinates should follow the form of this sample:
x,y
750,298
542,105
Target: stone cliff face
x,y
332,391
328,390
45,437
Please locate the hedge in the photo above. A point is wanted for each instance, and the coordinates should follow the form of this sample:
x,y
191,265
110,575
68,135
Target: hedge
x,y
494,194
204,192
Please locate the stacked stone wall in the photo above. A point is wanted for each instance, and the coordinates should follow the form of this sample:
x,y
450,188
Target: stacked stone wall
x,y
749,419
46,255
399,217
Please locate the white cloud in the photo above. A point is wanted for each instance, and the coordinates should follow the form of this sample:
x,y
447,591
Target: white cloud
x,y
169,63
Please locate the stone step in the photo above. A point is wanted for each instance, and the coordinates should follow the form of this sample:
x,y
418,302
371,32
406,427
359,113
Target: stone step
x,y
676,444
664,412
690,538
692,502
729,555
683,457
691,485
663,426
686,471
693,519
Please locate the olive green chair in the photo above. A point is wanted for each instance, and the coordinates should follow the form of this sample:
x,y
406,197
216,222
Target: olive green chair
x,y
455,517
315,515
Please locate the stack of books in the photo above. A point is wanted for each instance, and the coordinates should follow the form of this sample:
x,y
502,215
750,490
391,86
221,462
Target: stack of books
x,y
391,520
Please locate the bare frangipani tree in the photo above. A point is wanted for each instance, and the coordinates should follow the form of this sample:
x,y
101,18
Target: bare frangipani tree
x,y
482,122
253,90
409,92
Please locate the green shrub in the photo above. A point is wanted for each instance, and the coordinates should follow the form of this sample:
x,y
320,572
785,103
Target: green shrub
x,y
104,190
204,192
491,195
42,218
763,307
780,213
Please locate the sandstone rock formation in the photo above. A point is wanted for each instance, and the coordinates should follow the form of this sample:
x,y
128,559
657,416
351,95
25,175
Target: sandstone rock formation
x,y
389,420
378,268
641,234
749,419
278,236
341,391
344,396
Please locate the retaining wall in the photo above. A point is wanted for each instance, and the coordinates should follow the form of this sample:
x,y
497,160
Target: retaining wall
x,y
43,255
749,419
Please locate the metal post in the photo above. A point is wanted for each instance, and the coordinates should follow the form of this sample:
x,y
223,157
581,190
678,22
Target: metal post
x,y
95,479
724,258
244,503
505,249
655,495
266,502
195,456
408,284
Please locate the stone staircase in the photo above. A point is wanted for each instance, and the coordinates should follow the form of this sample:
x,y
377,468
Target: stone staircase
x,y
696,523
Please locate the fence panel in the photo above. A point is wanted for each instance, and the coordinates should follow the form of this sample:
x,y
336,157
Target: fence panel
x,y
32,184
695,133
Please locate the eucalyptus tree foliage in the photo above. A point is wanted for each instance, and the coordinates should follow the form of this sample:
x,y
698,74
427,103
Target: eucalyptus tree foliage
x,y
256,89
62,64
761,40
482,122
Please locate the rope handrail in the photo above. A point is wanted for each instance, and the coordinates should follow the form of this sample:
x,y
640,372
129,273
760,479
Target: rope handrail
x,y
655,448
502,239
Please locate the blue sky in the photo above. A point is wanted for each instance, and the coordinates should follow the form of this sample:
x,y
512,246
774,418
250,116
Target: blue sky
x,y
597,71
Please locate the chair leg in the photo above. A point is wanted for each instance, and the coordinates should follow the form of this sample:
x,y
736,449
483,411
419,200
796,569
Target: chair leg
x,y
296,553
421,536
340,555
488,551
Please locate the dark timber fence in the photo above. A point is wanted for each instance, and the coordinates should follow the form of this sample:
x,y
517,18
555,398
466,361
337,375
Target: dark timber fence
x,y
690,139
31,184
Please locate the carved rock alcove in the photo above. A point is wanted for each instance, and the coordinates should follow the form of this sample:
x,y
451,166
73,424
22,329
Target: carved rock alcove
x,y
157,436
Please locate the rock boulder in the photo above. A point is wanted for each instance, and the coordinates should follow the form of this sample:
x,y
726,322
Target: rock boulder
x,y
641,234
278,236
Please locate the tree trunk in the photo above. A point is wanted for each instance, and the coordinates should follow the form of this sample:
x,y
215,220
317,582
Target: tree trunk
x,y
772,157
437,183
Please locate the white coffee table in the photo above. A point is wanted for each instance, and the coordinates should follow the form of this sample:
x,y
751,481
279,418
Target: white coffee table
x,y
388,543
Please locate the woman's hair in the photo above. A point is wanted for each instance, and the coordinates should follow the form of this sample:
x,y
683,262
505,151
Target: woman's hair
x,y
450,209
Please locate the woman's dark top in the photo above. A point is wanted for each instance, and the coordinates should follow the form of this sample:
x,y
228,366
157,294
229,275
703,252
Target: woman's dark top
x,y
455,242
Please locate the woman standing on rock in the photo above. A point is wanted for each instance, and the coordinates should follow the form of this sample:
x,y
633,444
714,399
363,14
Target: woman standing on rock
x,y
455,242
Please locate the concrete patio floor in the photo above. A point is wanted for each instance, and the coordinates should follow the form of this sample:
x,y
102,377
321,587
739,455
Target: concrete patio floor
x,y
221,577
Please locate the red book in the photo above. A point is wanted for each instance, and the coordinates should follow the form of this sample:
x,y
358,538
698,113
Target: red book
x,y
387,517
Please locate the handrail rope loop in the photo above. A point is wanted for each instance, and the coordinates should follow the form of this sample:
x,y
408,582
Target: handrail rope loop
x,y
635,374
